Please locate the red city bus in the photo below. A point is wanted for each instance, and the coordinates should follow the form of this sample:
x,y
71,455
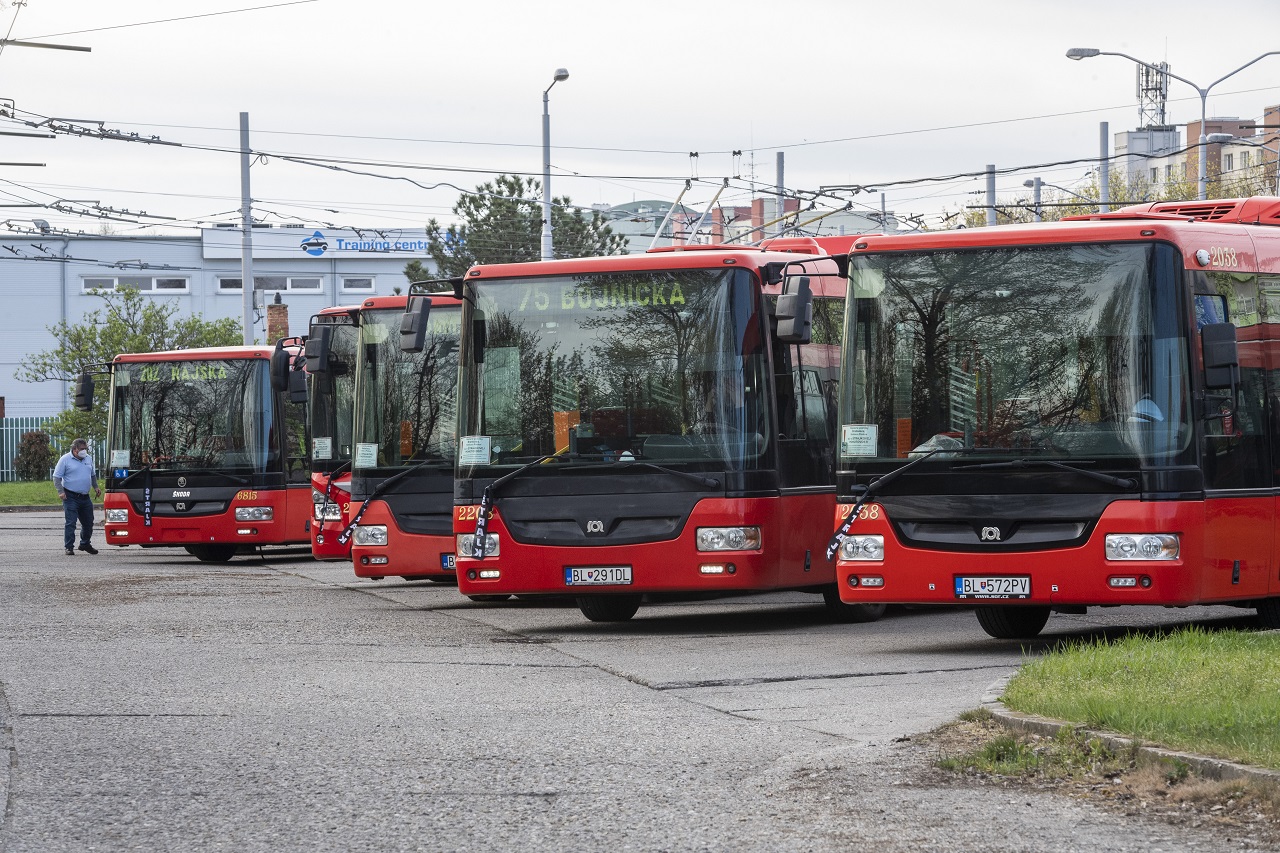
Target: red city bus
x,y
403,438
1060,416
650,424
206,450
331,398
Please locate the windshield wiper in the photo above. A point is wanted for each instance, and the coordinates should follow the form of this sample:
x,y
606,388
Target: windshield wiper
x,y
1120,482
487,498
843,530
379,491
708,482
150,467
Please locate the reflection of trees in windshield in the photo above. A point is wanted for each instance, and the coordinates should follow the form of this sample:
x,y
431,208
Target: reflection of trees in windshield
x,y
597,364
1001,348
408,399
192,414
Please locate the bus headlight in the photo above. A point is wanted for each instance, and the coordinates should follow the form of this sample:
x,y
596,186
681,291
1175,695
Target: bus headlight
x,y
1142,546
467,541
117,516
869,547
254,513
728,538
370,534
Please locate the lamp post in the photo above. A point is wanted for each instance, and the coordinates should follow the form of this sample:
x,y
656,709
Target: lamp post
x,y
1036,184
547,253
1220,138
1078,53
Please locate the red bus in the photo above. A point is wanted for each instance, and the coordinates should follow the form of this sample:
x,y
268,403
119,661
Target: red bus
x,y
206,451
331,399
402,464
656,423
1051,417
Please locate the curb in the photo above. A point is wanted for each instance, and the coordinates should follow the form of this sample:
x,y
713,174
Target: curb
x,y
1218,769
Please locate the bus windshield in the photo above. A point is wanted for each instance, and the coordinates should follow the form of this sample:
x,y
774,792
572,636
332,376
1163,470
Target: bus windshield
x,y
407,400
193,415
663,366
1056,351
332,401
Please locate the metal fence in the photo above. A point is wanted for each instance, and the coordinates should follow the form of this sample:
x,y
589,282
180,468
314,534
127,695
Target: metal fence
x,y
11,432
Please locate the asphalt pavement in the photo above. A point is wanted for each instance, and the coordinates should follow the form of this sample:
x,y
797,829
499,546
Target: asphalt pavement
x,y
152,702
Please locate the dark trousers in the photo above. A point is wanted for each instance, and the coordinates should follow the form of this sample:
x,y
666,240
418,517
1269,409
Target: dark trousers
x,y
77,506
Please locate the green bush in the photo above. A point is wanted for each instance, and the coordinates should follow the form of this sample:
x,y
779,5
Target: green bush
x,y
35,456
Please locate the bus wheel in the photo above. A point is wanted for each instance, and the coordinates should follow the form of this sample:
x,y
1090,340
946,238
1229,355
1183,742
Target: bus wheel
x,y
1269,613
842,612
484,598
212,553
1012,622
608,608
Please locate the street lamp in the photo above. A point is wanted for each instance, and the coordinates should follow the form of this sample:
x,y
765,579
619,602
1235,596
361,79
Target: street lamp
x,y
1220,138
1087,52
1035,184
547,253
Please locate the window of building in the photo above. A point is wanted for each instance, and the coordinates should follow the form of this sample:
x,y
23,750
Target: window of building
x,y
271,282
1153,176
145,283
1168,172
1228,162
1244,159
361,285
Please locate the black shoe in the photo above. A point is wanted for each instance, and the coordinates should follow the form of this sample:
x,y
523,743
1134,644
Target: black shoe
x,y
88,549
70,553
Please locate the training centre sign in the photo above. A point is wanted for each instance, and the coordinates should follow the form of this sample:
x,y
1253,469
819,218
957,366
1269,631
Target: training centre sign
x,y
224,243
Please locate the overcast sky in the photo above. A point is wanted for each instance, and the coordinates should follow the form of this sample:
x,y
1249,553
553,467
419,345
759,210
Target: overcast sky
x,y
870,94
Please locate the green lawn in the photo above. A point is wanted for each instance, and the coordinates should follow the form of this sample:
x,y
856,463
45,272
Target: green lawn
x,y
29,494
1214,693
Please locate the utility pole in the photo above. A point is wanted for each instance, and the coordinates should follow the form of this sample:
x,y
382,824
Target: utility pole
x,y
780,205
246,234
991,194
1104,168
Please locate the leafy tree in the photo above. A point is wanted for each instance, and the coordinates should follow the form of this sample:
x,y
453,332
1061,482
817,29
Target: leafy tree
x,y
127,322
35,456
502,223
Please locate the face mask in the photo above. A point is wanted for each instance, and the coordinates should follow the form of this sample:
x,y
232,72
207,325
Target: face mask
x,y
82,454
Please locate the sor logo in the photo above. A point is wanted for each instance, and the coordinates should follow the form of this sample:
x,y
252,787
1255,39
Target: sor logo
x,y
990,534
595,526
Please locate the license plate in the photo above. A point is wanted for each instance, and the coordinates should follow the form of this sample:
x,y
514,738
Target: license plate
x,y
993,587
447,562
597,576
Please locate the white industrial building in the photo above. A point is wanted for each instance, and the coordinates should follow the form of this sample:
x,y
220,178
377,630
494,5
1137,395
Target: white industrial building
x,y
49,277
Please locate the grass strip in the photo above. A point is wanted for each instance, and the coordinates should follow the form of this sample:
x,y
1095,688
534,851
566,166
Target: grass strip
x,y
1214,693
39,493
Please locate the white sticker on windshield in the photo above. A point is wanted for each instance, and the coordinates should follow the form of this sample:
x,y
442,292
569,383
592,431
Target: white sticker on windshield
x,y
473,450
858,440
119,459
322,447
366,455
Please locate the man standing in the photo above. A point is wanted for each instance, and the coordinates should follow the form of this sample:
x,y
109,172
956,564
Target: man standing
x,y
73,476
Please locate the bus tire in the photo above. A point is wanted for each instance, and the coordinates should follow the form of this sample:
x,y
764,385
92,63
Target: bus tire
x,y
609,608
1012,622
1269,613
212,553
850,613
488,598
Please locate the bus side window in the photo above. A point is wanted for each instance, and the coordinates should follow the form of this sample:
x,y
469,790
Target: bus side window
x,y
1236,448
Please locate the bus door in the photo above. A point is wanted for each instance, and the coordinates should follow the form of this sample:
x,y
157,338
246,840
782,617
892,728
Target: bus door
x,y
1240,510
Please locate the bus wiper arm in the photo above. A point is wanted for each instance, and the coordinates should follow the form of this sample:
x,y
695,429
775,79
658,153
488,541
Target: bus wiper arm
x,y
843,530
487,498
378,491
707,482
1120,482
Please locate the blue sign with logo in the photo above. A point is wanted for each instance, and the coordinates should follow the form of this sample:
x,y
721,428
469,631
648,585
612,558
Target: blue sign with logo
x,y
315,245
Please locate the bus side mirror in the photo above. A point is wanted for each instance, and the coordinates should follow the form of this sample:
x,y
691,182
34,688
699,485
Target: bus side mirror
x,y
413,325
297,386
795,313
317,349
1221,355
280,364
84,392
